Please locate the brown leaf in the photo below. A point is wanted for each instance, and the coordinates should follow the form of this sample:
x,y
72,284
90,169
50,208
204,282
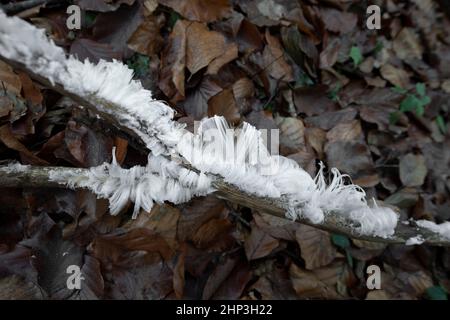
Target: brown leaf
x,y
117,247
274,61
213,233
346,131
249,38
316,138
407,45
93,285
275,226
275,285
7,137
328,120
147,38
16,288
316,247
413,170
121,146
292,134
162,220
338,21
196,103
150,279
53,255
218,276
353,158
87,147
9,79
200,10
319,283
259,244
205,47
115,28
173,59
231,53
196,213
102,5
235,283
329,55
224,104
398,77
93,50
313,100
31,93
178,274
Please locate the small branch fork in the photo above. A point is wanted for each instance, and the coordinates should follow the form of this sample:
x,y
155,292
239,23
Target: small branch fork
x,y
39,177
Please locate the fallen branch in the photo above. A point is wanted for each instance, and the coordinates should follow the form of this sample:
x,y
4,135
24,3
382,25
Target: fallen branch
x,y
107,90
39,177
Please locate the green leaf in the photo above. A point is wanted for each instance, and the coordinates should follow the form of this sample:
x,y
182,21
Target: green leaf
x,y
333,94
400,90
420,89
394,117
420,110
139,63
441,124
425,100
356,56
378,47
89,18
410,103
436,293
173,18
340,241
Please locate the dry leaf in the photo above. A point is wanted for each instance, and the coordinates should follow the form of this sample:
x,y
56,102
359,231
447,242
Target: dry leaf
x,y
259,244
147,39
274,61
224,104
398,77
205,47
9,79
200,10
407,46
173,59
316,247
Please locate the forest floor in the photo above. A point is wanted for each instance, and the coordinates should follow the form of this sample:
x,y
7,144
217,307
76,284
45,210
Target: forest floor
x,y
373,103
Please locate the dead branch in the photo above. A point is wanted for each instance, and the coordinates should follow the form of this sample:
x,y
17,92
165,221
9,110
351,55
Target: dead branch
x,y
38,177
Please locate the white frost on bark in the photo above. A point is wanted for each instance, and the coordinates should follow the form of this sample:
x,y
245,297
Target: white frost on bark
x,y
442,229
109,86
161,180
